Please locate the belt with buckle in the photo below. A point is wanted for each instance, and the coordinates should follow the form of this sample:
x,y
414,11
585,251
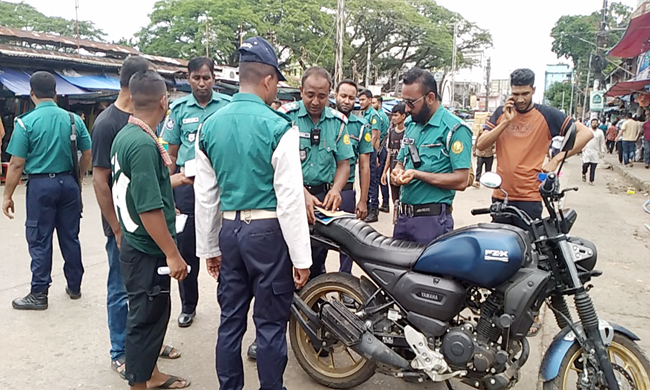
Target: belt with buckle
x,y
48,175
420,210
319,189
348,187
249,215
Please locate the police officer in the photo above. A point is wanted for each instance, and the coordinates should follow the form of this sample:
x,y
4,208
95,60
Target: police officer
x,y
263,228
325,149
361,142
382,155
434,162
187,114
372,117
41,147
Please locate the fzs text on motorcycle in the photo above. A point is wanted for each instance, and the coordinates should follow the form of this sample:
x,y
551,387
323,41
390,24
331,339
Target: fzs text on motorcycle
x,y
462,306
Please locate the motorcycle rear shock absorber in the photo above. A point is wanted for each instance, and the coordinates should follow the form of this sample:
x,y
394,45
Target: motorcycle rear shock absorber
x,y
589,319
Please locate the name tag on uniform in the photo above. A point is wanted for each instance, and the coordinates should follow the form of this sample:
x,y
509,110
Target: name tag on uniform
x,y
190,120
305,135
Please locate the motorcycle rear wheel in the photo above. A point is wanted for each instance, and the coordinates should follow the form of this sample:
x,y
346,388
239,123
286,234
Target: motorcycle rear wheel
x,y
632,365
330,369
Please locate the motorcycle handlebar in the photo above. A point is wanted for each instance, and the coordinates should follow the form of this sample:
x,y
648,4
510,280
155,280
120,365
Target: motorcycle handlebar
x,y
480,211
548,186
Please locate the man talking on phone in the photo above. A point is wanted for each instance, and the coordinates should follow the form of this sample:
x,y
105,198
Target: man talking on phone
x,y
523,131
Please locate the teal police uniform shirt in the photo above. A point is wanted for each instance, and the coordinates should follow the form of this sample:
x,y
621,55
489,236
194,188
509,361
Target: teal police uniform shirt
x,y
249,128
431,142
319,161
360,140
372,117
184,120
42,138
385,124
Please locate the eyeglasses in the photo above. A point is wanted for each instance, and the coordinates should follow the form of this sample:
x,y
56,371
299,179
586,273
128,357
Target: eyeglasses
x,y
411,103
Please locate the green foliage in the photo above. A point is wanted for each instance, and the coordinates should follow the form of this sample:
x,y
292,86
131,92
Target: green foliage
x,y
554,95
24,16
399,32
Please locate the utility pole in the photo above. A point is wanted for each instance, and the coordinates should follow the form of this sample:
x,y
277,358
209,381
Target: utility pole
x,y
562,100
584,107
573,84
76,11
368,67
340,37
207,36
488,70
453,65
601,41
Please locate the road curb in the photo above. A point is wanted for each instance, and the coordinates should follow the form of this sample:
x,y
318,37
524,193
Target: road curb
x,y
639,183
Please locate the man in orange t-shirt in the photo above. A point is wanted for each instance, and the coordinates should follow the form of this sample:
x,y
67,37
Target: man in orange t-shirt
x,y
523,131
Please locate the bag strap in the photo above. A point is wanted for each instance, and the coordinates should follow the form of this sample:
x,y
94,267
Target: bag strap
x,y
73,148
451,133
340,132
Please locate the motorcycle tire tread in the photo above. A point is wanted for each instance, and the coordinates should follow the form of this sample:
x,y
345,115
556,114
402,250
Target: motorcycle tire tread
x,y
359,377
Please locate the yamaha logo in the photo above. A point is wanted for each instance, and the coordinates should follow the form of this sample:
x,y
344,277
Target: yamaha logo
x,y
430,296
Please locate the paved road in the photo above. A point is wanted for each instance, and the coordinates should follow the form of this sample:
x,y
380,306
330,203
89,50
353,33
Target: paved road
x,y
66,347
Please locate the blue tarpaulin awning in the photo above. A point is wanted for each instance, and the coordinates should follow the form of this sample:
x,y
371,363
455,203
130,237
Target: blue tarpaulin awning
x,y
86,81
17,81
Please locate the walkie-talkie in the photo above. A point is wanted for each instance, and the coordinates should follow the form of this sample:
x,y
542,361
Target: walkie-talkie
x,y
415,156
315,136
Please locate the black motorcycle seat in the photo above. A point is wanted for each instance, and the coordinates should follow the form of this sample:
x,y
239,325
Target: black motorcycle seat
x,y
363,243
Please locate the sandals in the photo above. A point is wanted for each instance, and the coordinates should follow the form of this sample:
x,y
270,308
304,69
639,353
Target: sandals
x,y
173,379
167,353
118,364
534,328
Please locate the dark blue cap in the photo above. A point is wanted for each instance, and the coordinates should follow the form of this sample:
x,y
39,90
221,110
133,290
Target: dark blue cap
x,y
257,49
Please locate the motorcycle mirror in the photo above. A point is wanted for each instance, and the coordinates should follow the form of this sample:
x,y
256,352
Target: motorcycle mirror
x,y
491,180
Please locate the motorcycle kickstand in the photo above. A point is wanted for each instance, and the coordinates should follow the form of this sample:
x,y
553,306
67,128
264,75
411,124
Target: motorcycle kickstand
x,y
449,385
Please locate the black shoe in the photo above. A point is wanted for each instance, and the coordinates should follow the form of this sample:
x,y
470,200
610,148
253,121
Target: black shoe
x,y
185,320
373,216
252,351
33,301
384,208
71,294
584,177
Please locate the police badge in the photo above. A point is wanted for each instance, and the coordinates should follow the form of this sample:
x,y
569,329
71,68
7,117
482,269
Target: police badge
x,y
303,155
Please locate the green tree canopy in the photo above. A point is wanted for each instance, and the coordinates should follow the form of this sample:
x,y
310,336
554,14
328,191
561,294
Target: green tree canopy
x,y
554,95
398,32
26,17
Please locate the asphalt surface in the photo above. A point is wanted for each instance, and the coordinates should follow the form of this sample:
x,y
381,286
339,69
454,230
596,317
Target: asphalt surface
x,y
66,346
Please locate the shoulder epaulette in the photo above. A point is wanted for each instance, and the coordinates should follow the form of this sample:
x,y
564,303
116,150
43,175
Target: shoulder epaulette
x,y
179,101
288,107
339,115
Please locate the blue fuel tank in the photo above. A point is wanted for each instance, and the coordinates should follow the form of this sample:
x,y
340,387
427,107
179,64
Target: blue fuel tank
x,y
486,255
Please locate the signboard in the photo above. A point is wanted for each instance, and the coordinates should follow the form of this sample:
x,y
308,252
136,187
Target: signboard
x,y
597,101
644,66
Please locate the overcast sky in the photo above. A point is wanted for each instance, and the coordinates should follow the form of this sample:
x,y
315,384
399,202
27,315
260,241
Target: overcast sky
x,y
520,30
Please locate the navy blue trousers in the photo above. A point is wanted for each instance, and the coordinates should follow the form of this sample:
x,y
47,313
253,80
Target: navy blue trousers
x,y
385,195
318,253
375,180
255,263
54,203
348,204
423,229
189,287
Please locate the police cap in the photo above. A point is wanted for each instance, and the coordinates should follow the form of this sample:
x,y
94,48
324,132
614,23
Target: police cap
x,y
257,49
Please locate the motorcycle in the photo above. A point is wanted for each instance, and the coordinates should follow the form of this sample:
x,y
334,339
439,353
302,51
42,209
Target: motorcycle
x,y
462,306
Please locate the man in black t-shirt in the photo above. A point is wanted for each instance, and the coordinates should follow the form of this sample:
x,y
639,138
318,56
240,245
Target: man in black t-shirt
x,y
106,127
394,144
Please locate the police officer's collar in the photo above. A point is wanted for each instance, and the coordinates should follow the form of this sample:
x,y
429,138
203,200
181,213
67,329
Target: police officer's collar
x,y
192,99
47,103
247,97
437,117
302,111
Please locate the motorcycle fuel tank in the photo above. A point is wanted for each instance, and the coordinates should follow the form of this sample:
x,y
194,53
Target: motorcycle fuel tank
x,y
486,255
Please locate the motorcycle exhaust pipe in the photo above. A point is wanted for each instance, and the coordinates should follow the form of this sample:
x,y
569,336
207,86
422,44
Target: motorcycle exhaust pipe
x,y
350,330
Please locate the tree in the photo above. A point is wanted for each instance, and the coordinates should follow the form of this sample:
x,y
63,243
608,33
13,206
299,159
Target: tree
x,y
26,17
559,95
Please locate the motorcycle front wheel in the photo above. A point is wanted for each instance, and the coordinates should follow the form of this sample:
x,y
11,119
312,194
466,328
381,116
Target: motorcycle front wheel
x,y
631,367
337,366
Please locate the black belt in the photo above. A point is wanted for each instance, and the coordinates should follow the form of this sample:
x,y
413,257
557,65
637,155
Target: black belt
x,y
419,210
48,175
319,189
348,187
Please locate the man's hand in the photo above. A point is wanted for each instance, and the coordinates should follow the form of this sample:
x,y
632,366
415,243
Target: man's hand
x,y
118,238
509,111
550,166
362,210
300,277
179,179
405,177
7,206
213,265
177,267
383,179
332,200
310,202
